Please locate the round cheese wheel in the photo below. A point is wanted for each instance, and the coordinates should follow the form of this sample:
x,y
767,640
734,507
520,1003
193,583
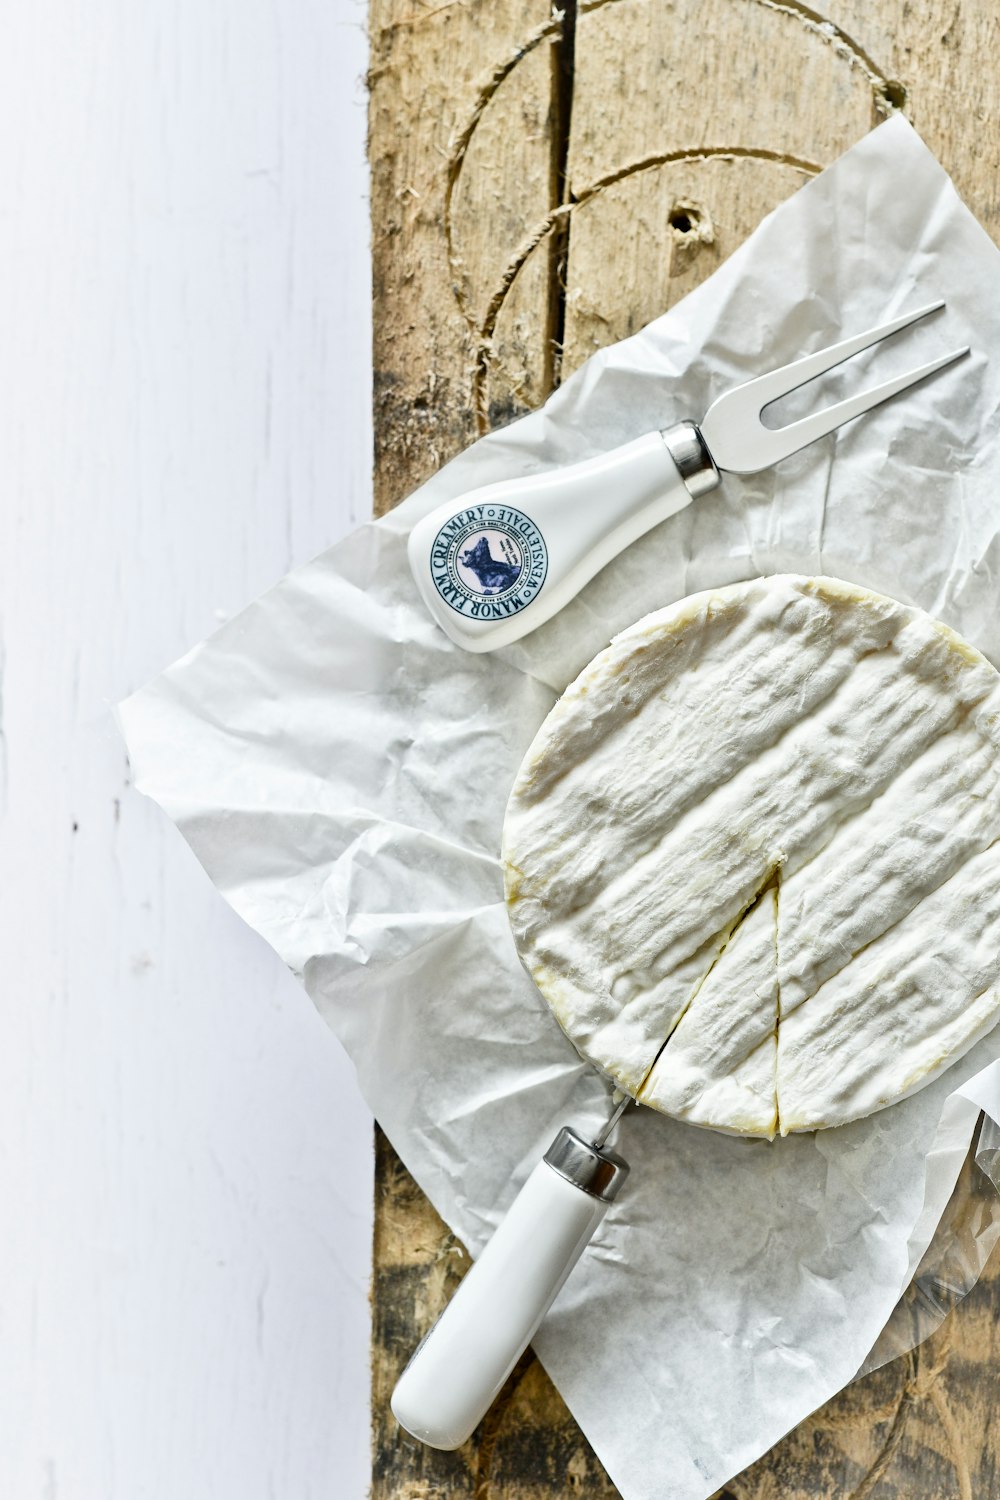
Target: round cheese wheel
x,y
752,857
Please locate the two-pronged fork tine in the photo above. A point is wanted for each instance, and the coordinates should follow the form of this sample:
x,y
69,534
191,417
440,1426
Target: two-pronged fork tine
x,y
737,438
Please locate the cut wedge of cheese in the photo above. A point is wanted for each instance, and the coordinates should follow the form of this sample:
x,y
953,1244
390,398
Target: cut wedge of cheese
x,y
749,855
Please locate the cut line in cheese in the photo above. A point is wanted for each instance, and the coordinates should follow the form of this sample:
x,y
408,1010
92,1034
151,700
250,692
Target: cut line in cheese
x,y
719,1063
749,856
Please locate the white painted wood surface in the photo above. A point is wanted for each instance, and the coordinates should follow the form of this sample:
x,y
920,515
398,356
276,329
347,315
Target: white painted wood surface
x,y
185,1169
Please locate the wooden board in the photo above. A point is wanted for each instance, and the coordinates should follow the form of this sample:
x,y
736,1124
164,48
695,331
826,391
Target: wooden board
x,y
544,183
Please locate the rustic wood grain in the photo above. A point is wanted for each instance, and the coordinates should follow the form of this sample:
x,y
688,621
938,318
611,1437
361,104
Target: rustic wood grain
x,y
543,183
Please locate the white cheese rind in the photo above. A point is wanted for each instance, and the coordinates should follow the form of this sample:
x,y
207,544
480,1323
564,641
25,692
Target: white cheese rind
x,y
790,727
911,1003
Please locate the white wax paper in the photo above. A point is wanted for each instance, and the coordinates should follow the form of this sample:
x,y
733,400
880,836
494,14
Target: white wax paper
x,y
341,769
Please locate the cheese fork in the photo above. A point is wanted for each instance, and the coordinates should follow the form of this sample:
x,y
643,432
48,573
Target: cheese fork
x,y
502,559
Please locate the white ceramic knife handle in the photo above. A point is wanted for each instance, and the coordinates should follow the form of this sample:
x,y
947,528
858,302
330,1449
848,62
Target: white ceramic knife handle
x,y
456,1373
501,560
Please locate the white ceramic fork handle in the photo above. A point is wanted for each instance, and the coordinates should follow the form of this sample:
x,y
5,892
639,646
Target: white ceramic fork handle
x,y
456,1373
501,560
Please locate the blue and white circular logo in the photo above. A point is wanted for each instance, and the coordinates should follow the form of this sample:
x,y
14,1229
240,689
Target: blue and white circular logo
x,y
488,561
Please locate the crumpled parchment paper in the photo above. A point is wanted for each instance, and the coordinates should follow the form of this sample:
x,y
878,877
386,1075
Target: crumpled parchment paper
x,y
341,769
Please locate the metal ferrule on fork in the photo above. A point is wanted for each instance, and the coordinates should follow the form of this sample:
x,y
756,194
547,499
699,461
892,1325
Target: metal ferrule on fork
x,y
695,464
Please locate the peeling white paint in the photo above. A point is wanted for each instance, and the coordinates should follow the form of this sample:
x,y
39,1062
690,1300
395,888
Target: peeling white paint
x,y
185,1165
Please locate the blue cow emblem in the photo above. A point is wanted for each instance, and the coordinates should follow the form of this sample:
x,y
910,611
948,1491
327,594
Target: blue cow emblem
x,y
495,576
489,561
